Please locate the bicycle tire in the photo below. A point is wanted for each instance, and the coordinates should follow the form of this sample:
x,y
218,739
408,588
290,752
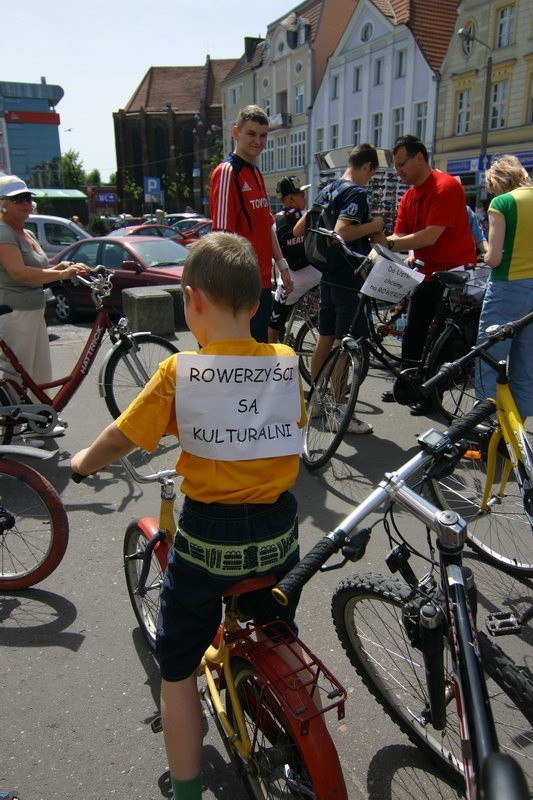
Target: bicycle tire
x,y
501,532
389,344
127,372
324,430
33,527
284,762
456,396
304,345
377,644
146,608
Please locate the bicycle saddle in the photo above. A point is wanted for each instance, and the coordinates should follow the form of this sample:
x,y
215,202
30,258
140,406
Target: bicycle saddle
x,y
451,279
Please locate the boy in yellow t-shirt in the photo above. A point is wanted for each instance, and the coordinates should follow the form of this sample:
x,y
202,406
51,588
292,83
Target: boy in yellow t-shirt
x,y
237,408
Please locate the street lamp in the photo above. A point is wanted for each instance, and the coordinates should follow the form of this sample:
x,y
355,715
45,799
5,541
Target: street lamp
x,y
467,36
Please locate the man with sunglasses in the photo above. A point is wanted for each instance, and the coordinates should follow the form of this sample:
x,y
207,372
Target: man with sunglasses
x,y
432,225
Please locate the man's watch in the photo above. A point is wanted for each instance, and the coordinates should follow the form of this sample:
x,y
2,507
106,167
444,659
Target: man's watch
x,y
390,243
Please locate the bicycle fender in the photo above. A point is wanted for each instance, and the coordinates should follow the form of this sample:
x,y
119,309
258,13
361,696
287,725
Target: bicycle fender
x,y
316,744
148,525
106,358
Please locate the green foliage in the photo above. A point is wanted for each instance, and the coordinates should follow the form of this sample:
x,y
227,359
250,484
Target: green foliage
x,y
72,171
132,189
112,180
93,177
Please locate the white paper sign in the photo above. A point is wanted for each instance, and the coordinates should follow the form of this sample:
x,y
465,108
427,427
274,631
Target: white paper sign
x,y
235,408
390,281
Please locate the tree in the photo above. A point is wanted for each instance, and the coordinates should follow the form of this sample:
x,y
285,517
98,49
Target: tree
x,y
72,170
93,177
132,189
112,181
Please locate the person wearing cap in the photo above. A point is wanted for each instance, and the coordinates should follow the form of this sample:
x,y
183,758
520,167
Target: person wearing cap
x,y
304,276
24,271
238,203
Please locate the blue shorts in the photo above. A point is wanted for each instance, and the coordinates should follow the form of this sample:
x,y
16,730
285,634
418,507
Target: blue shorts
x,y
336,311
216,546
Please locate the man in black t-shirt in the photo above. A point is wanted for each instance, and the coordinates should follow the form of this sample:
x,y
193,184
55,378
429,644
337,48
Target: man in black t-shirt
x,y
303,275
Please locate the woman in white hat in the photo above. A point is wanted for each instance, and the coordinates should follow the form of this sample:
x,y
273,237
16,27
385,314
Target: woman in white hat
x,y
24,271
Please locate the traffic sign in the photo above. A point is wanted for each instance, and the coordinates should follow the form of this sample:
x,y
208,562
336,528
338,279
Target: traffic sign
x,y
483,162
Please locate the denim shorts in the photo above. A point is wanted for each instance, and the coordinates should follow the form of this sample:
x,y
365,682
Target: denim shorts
x,y
337,309
216,546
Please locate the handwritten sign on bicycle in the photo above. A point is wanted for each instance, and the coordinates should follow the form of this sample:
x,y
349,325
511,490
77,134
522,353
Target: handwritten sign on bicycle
x,y
390,280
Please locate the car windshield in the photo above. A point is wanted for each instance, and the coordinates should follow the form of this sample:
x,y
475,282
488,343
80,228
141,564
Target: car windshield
x,y
159,252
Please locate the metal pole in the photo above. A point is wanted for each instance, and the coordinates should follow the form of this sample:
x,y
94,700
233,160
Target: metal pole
x,y
485,121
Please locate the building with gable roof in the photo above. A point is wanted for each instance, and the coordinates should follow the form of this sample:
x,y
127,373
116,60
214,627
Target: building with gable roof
x,y
282,74
170,130
383,79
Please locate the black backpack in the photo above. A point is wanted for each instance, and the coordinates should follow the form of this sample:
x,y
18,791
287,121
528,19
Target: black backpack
x,y
321,251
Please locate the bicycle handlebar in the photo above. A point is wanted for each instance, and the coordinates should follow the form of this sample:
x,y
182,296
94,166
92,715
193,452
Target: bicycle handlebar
x,y
495,333
293,582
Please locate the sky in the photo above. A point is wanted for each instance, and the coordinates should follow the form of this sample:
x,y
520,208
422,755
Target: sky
x,y
99,51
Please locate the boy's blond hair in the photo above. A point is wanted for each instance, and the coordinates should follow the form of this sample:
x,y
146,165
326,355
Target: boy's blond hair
x,y
224,266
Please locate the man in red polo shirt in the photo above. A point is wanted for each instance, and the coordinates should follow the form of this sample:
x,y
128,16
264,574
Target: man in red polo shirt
x,y
432,224
239,204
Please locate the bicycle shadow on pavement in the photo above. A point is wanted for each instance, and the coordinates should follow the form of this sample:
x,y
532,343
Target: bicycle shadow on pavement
x,y
401,772
38,618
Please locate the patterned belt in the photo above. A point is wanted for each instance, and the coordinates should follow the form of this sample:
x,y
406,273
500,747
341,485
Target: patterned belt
x,y
234,560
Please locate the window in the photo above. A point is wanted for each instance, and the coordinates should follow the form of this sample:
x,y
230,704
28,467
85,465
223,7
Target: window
x,y
319,139
377,129
378,72
421,119
401,64
297,149
267,157
265,105
356,84
467,42
281,102
497,105
505,27
398,121
235,94
334,87
356,131
281,147
299,98
333,136
462,125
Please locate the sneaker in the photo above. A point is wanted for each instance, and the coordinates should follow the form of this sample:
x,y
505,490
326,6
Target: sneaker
x,y
355,426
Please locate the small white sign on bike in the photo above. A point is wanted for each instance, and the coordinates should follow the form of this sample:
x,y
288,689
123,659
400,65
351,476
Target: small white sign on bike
x,y
390,280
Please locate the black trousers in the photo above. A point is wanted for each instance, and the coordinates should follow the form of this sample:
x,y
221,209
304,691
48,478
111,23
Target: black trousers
x,y
422,306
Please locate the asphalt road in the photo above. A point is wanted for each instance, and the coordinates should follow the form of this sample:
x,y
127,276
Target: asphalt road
x,y
79,686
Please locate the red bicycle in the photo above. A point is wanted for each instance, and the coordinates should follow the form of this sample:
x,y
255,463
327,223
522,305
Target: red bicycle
x,y
128,365
276,690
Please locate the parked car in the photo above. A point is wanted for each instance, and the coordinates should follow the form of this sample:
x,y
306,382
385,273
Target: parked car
x,y
183,225
54,233
164,231
181,216
134,261
196,232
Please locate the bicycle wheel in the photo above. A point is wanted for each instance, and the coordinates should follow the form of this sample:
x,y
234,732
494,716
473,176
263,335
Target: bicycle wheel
x,y
386,332
33,527
368,613
304,346
145,607
330,406
456,395
130,367
499,530
278,767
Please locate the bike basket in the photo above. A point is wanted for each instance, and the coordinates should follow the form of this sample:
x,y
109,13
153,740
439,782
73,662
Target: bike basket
x,y
390,279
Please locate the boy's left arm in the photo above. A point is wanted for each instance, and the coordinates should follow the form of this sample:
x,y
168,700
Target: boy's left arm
x,y
109,446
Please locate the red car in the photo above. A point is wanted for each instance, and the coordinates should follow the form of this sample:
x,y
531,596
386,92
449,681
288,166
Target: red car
x,y
195,232
163,231
134,261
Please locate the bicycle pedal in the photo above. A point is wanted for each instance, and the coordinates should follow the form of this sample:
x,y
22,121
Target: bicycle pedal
x,y
502,623
156,724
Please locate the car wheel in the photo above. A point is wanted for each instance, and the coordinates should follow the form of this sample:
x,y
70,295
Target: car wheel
x,y
64,310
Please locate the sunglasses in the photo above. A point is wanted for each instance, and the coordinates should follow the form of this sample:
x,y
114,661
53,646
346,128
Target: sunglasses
x,y
20,198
